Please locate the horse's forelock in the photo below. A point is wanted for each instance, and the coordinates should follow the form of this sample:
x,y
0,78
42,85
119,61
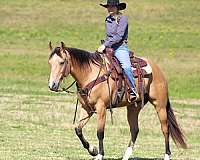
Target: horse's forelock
x,y
55,51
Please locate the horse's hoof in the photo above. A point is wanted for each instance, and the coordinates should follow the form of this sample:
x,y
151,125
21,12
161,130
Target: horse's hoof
x,y
167,157
128,153
93,150
99,157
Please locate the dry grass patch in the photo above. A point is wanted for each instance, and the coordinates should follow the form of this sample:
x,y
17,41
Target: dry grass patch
x,y
40,127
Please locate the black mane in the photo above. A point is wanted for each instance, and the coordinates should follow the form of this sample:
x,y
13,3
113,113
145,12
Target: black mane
x,y
80,57
84,58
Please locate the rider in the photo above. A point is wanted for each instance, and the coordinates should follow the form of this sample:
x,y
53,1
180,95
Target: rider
x,y
116,38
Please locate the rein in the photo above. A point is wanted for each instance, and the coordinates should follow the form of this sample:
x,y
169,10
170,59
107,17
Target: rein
x,y
66,89
85,91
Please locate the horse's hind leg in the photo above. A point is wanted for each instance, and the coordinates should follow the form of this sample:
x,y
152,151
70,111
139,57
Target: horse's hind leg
x,y
132,116
162,114
158,96
84,118
160,104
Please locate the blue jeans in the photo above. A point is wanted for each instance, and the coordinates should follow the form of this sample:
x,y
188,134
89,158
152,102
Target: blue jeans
x,y
122,54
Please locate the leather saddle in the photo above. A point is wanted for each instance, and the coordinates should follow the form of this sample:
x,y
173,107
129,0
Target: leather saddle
x,y
122,83
135,61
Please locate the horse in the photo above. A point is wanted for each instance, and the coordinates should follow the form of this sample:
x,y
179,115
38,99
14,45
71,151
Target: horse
x,y
85,67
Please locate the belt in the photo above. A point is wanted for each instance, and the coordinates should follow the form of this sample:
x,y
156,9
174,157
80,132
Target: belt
x,y
125,41
121,42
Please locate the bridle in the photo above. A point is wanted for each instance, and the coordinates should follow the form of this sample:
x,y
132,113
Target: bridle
x,y
67,67
65,72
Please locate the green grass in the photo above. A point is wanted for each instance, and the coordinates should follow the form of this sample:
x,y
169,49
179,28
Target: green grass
x,y
167,34
37,124
35,127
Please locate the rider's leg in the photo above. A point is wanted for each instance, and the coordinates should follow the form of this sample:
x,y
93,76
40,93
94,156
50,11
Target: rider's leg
x,y
122,54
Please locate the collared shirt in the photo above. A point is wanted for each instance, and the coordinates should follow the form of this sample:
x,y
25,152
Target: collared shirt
x,y
116,31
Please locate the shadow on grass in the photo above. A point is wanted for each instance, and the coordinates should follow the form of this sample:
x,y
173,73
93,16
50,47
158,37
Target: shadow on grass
x,y
136,158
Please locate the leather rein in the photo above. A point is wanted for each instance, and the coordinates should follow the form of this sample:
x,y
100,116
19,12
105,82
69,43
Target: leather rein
x,y
85,91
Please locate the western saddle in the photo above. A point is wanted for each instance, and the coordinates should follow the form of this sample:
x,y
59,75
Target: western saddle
x,y
115,71
122,83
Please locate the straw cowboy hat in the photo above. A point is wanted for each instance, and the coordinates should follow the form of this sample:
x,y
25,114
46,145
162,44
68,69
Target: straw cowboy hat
x,y
121,6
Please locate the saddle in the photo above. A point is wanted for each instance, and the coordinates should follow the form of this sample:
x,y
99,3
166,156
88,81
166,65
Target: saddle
x,y
115,71
122,82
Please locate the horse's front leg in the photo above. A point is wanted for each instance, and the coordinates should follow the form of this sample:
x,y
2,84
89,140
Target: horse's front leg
x,y
84,118
101,119
132,116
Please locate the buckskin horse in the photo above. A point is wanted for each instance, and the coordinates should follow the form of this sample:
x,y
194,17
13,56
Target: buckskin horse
x,y
85,67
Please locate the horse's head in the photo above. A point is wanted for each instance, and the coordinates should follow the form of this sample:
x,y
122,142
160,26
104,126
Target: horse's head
x,y
59,61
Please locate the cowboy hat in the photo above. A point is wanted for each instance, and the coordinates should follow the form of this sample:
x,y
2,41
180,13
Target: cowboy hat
x,y
121,6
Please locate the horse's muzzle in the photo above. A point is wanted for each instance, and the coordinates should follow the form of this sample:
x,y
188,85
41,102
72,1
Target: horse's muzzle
x,y
53,86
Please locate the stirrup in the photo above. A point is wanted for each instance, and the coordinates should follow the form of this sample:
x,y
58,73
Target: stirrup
x,y
134,96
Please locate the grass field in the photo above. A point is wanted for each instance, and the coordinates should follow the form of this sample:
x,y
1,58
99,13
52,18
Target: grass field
x,y
37,124
40,127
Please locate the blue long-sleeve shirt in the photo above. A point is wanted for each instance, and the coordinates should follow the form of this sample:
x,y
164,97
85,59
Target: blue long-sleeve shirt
x,y
116,31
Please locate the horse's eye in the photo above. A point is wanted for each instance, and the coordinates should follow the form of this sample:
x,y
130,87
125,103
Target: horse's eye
x,y
61,63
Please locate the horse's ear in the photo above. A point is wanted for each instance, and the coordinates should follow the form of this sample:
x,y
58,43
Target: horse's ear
x,y
62,49
62,46
50,46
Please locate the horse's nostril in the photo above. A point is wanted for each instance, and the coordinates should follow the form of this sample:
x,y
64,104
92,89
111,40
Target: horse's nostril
x,y
54,85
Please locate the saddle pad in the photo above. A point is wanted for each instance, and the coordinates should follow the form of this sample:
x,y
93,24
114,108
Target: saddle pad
x,y
146,69
138,61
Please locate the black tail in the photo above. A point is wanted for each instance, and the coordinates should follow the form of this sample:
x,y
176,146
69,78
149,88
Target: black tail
x,y
174,129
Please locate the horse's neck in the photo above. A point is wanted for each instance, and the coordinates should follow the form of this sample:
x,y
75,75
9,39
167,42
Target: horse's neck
x,y
83,77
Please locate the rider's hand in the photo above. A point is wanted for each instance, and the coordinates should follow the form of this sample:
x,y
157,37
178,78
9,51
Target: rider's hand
x,y
101,48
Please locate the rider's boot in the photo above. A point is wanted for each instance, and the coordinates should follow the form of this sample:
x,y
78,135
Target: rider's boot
x,y
133,95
